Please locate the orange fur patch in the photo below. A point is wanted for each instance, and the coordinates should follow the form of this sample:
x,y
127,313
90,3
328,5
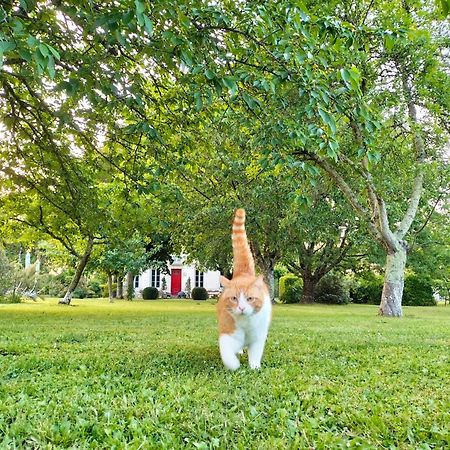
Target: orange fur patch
x,y
244,280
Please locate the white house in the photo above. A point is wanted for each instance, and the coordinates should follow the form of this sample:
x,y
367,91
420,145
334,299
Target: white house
x,y
177,278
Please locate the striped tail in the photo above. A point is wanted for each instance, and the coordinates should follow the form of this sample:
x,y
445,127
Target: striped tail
x,y
243,263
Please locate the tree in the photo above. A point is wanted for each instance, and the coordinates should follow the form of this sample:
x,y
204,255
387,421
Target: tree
x,y
321,236
318,79
298,79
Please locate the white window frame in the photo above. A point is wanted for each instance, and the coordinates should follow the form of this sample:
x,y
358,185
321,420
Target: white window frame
x,y
155,278
136,281
199,278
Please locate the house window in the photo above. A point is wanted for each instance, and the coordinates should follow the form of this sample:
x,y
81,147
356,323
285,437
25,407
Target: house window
x,y
136,281
198,279
155,278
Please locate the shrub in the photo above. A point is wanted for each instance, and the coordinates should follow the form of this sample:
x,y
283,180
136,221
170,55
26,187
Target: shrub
x,y
418,291
95,289
10,298
367,290
290,288
9,273
199,293
105,290
331,289
150,293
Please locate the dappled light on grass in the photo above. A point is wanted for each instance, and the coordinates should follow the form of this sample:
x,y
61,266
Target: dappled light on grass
x,y
149,374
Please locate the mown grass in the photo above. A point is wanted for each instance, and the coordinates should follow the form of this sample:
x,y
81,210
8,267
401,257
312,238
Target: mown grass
x,y
148,375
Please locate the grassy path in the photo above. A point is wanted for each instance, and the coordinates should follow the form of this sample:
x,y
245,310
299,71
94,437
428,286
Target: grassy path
x,y
148,375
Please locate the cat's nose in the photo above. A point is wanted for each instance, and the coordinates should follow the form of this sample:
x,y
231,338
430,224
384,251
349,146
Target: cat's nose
x,y
241,308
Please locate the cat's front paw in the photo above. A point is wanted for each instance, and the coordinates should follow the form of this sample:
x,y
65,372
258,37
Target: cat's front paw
x,y
255,365
232,365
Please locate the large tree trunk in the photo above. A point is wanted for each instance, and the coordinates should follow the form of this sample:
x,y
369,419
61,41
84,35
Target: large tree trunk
x,y
309,287
394,277
110,287
130,286
267,266
270,277
76,278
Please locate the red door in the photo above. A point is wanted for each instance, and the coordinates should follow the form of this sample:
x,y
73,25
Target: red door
x,y
175,281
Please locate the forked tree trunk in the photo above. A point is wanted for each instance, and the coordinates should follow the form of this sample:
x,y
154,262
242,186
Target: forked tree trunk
x,y
308,291
394,278
76,278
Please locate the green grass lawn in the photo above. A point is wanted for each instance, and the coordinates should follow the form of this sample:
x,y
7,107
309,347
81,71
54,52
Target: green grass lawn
x,y
148,375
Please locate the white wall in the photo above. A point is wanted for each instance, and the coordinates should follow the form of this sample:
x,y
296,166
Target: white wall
x,y
211,279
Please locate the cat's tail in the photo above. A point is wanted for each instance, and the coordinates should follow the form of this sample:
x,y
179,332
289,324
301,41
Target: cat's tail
x,y
243,263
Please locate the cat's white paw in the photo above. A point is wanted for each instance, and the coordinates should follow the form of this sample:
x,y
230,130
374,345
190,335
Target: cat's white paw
x,y
232,365
255,366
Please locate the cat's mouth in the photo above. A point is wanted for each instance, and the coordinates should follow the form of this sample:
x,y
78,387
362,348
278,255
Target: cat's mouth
x,y
243,312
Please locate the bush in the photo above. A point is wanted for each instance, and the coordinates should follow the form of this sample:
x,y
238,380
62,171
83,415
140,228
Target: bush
x,y
418,291
10,298
80,292
199,293
105,290
55,285
95,288
331,289
367,290
150,293
290,289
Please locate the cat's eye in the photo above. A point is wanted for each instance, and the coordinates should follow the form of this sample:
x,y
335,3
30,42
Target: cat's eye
x,y
233,299
251,299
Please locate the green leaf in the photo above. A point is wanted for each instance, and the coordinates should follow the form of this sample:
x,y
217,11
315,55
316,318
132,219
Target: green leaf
x,y
251,102
32,41
140,7
444,6
6,46
287,53
230,84
120,38
389,41
198,101
209,74
40,60
328,119
331,153
148,25
351,77
54,52
345,74
25,54
44,50
51,67
373,156
187,57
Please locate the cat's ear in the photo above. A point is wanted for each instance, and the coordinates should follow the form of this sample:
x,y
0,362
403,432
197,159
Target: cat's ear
x,y
225,282
259,282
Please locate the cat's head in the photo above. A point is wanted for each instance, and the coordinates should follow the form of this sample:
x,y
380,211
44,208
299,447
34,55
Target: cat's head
x,y
243,296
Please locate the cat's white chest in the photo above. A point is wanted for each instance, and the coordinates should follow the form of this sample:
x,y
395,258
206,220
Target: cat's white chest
x,y
255,327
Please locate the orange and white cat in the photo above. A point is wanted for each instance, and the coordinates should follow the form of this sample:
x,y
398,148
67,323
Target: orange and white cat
x,y
244,309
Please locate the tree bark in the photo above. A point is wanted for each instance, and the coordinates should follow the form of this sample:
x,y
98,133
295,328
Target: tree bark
x,y
309,287
270,277
80,268
110,287
130,286
119,289
391,297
